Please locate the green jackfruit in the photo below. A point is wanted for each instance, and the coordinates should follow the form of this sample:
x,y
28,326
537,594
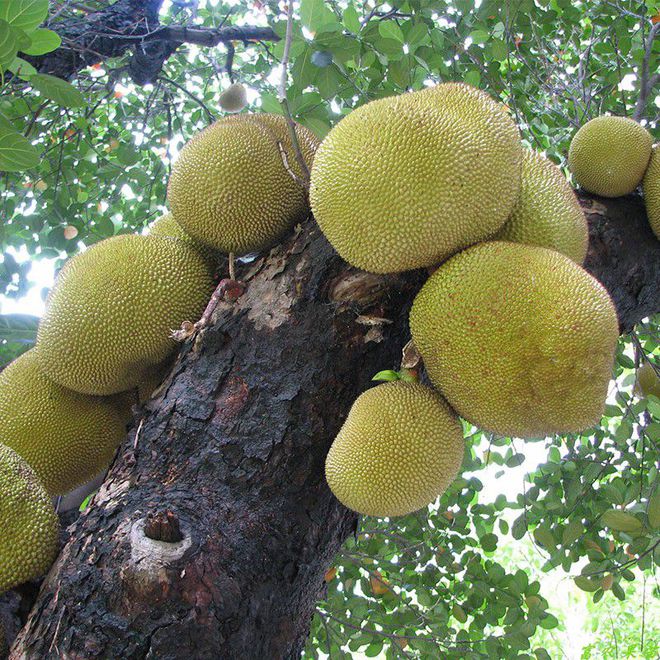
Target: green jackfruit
x,y
519,339
651,188
547,213
609,155
230,187
404,182
30,528
234,98
66,437
398,450
166,225
110,315
648,381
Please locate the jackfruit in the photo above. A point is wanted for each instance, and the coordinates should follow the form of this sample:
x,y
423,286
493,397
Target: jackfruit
x,y
609,155
30,527
651,189
230,187
166,225
519,339
234,98
65,436
111,312
547,213
398,450
404,182
648,381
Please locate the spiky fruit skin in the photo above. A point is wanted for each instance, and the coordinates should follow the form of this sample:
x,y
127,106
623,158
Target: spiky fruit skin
x,y
230,187
648,380
519,339
66,437
651,189
609,155
234,98
547,213
406,181
111,312
398,450
166,225
30,527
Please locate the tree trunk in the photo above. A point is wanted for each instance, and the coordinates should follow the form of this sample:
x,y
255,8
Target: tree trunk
x,y
234,448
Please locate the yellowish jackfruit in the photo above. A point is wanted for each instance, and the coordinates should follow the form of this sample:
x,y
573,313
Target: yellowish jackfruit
x,y
651,188
111,312
166,225
66,437
609,155
234,98
406,181
398,450
30,528
519,339
547,213
230,187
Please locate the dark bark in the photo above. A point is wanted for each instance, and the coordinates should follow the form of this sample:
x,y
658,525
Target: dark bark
x,y
234,448
132,26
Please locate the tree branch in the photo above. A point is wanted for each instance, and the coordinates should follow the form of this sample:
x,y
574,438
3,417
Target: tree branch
x,y
132,25
646,81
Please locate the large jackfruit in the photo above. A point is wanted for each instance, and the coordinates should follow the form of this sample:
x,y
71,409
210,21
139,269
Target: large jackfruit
x,y
547,213
406,181
232,185
651,188
609,155
66,437
519,339
30,528
111,312
398,450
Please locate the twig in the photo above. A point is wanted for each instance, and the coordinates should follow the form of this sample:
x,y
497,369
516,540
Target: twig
x,y
197,100
646,81
282,94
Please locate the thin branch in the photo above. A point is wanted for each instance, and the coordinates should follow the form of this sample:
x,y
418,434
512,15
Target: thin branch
x,y
210,115
646,81
282,95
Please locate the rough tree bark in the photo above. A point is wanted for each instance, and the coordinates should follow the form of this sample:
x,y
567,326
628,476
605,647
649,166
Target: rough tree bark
x,y
234,447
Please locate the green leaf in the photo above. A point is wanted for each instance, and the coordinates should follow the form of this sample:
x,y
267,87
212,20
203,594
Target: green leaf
x,y
8,44
314,14
586,584
58,90
24,70
653,511
390,30
458,613
545,538
24,14
572,532
43,41
19,327
489,542
621,521
351,19
16,152
387,375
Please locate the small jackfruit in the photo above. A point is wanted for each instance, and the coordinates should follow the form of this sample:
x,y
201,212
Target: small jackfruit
x,y
166,225
30,528
651,189
519,339
404,182
398,450
111,312
232,185
234,98
547,213
609,155
66,437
